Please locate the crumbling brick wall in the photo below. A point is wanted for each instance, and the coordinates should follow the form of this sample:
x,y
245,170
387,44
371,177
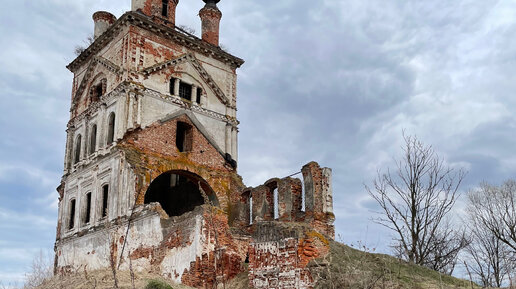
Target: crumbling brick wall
x,y
281,248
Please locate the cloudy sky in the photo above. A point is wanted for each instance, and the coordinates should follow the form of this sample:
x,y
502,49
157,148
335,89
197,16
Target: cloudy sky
x,y
336,81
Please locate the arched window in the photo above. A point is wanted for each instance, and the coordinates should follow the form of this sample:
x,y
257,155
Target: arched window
x,y
93,139
111,128
77,156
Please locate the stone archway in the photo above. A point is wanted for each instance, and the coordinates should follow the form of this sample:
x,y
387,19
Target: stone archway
x,y
179,192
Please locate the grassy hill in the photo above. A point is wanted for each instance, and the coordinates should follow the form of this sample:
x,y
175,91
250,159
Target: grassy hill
x,y
344,268
350,268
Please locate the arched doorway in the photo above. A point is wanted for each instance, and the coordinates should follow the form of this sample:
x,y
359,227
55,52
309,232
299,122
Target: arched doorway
x,y
179,192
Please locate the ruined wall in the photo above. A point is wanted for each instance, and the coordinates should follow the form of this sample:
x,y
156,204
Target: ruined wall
x,y
280,253
181,248
286,237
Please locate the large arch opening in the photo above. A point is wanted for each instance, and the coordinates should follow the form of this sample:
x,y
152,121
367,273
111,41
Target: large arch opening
x,y
179,192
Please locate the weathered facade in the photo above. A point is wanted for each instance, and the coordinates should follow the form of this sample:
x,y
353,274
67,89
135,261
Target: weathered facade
x,y
150,173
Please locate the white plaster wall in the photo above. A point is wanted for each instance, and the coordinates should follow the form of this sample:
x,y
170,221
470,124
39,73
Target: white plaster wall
x,y
93,251
178,259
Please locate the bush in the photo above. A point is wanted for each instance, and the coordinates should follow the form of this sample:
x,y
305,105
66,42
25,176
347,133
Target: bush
x,y
156,284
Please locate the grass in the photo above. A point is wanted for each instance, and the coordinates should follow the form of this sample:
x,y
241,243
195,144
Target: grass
x,y
350,268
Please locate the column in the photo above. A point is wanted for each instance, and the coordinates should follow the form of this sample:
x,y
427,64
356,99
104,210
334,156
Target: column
x,y
228,138
176,87
139,108
193,96
101,127
234,143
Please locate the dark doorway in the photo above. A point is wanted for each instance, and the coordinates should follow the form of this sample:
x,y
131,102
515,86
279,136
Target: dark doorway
x,y
178,192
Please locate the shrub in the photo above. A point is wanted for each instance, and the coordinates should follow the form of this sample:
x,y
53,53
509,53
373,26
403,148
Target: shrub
x,y
156,284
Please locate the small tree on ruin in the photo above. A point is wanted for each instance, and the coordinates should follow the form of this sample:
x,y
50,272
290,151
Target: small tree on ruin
x,y
415,201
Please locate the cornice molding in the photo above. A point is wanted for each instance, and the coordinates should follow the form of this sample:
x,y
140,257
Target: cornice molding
x,y
175,34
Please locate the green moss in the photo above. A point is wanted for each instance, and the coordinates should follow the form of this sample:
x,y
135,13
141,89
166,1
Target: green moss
x,y
157,284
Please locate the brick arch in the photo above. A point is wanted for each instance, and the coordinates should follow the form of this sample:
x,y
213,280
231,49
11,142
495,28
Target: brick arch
x,y
211,184
180,191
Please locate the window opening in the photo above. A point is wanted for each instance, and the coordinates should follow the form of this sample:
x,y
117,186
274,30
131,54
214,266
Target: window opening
x,y
172,85
98,90
87,214
105,194
93,139
164,8
199,93
276,207
303,198
72,214
111,128
77,157
185,90
184,137
251,210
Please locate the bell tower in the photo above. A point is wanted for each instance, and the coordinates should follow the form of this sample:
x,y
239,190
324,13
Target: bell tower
x,y
152,138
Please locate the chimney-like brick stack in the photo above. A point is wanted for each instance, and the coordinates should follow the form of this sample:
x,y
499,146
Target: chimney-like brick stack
x,y
210,18
103,20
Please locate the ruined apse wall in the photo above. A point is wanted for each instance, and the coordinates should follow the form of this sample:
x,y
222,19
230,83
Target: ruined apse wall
x,y
285,238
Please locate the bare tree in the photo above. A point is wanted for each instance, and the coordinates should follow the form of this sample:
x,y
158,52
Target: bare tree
x,y
493,228
41,270
486,256
444,248
415,201
495,209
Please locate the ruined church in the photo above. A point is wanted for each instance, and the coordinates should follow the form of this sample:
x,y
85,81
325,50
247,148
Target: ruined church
x,y
150,176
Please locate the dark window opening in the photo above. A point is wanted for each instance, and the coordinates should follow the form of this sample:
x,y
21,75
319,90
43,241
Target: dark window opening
x,y
72,215
172,85
93,139
77,156
98,90
184,137
87,214
105,192
178,194
199,93
164,8
185,90
111,128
